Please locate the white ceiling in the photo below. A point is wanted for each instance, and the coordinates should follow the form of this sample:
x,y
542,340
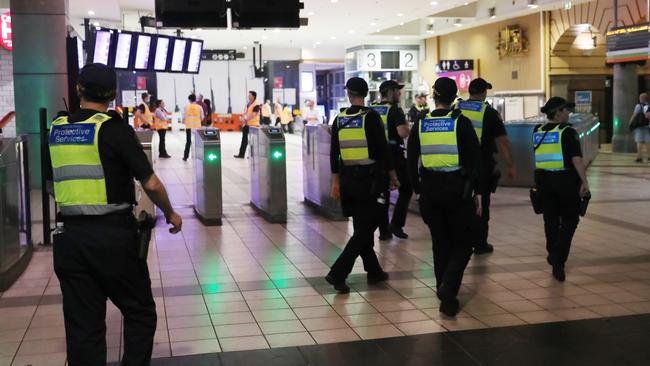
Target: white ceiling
x,y
344,23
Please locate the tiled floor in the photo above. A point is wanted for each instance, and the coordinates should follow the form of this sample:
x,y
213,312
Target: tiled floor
x,y
253,285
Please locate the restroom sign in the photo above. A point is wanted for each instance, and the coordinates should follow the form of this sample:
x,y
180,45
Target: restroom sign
x,y
5,31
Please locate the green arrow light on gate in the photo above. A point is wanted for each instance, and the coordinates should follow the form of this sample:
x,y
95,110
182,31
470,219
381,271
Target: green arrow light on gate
x,y
277,154
212,157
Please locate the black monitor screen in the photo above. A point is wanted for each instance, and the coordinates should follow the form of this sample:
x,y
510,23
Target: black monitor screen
x,y
102,47
162,48
123,51
142,52
194,62
178,55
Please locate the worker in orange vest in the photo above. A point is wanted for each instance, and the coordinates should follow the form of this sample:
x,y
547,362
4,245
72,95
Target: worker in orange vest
x,y
143,117
251,118
192,117
161,123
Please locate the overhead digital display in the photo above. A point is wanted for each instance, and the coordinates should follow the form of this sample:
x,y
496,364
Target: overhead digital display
x,y
142,52
80,53
162,49
195,57
102,47
178,55
123,52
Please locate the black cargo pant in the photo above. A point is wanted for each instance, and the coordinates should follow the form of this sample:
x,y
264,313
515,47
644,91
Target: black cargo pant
x,y
244,141
188,143
95,260
561,205
483,221
447,214
361,204
403,199
162,147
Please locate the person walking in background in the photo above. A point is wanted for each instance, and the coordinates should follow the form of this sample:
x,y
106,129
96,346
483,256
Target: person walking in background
x,y
161,123
251,118
286,119
208,115
312,115
639,124
561,177
266,113
277,112
192,117
143,118
201,103
419,109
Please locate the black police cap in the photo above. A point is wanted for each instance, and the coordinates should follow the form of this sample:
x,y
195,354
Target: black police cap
x,y
445,87
390,84
556,103
357,85
479,85
98,75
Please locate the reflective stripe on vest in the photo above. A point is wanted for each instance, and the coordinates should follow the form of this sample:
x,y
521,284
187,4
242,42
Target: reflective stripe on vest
x,y
383,110
192,116
438,143
548,155
352,138
255,120
474,111
160,124
79,182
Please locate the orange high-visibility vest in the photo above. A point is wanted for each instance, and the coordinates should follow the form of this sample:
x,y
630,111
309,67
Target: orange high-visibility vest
x,y
254,121
192,118
160,124
143,118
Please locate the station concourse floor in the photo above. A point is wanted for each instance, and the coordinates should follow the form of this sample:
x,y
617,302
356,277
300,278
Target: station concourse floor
x,y
257,287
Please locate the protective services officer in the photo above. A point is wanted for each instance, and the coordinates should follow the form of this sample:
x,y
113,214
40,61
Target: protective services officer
x,y
443,160
560,175
419,109
361,172
95,157
192,117
490,130
143,117
397,129
251,118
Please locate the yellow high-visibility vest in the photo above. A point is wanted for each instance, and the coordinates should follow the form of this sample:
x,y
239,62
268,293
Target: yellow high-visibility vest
x,y
475,111
192,119
160,124
79,181
383,109
352,138
438,142
548,155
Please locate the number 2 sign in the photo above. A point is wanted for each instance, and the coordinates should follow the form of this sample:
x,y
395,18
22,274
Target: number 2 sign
x,y
408,60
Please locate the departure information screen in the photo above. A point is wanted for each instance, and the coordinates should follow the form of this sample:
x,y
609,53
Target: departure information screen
x,y
178,55
123,52
80,53
162,48
142,52
102,47
195,57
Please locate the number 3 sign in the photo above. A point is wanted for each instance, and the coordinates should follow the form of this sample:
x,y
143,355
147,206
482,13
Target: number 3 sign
x,y
5,31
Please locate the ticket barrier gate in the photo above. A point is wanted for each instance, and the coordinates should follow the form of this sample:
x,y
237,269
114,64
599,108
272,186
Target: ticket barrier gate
x,y
317,173
144,202
208,200
268,173
15,213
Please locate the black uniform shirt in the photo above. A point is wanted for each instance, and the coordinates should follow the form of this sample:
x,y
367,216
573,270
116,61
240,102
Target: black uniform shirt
x,y
375,135
396,117
469,151
570,142
121,154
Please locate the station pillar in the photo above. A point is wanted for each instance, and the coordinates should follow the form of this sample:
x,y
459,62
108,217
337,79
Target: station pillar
x,y
39,32
625,98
